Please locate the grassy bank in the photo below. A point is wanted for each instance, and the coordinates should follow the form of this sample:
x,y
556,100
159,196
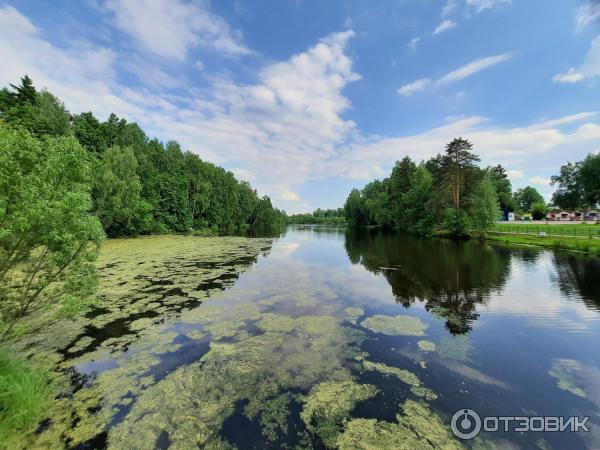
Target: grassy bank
x,y
25,392
570,229
591,246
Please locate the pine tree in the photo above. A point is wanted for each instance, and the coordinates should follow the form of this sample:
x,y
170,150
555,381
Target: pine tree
x,y
25,93
458,160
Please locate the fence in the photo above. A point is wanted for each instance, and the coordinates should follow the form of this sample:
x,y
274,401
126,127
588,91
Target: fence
x,y
579,230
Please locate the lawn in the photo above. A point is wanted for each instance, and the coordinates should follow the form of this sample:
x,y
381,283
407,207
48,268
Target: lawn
x,y
571,229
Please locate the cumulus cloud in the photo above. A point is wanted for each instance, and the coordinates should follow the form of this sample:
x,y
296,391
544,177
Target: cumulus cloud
x,y
590,68
444,26
416,86
170,27
285,129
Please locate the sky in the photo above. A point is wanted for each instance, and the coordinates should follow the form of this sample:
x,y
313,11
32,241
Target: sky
x,y
309,99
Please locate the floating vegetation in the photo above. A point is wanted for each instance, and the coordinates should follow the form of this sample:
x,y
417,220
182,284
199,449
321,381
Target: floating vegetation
x,y
400,325
406,376
329,403
417,428
427,346
455,347
353,313
564,376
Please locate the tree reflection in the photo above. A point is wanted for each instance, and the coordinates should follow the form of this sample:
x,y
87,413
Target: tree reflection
x,y
450,277
578,276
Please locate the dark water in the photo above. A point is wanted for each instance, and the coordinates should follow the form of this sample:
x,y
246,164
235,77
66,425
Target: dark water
x,y
516,333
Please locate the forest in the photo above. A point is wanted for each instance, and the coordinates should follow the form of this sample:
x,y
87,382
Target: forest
x,y
450,192
138,185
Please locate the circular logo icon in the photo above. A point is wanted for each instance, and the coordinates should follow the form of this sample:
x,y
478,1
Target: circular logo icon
x,y
465,424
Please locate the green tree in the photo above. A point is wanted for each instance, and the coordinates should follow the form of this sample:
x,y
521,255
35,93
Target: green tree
x,y
90,133
46,116
457,162
354,209
539,210
590,180
485,209
526,197
116,193
503,187
48,238
569,194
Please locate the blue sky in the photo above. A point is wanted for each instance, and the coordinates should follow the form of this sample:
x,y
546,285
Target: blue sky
x,y
307,99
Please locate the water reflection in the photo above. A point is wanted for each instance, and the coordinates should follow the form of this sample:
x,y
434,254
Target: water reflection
x,y
451,278
578,276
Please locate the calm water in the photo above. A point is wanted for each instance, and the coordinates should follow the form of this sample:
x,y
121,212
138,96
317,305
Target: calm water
x,y
507,332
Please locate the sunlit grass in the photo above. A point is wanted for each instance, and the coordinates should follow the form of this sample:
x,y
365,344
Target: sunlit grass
x,y
25,391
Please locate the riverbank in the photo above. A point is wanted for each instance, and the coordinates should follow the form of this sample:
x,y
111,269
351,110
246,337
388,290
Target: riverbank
x,y
578,244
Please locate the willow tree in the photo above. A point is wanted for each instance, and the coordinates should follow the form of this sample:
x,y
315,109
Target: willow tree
x,y
48,238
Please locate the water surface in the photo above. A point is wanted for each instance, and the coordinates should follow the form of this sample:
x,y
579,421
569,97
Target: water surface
x,y
323,338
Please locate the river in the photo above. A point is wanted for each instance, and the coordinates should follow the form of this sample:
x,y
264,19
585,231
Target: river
x,y
326,338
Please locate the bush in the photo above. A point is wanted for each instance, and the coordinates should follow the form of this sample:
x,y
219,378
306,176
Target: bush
x,y
457,223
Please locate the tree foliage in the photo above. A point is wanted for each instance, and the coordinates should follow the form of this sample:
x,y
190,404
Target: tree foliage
x,y
48,238
485,208
438,193
141,185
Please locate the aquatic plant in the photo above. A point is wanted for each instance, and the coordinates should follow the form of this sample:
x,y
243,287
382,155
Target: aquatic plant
x,y
417,428
427,346
400,325
329,403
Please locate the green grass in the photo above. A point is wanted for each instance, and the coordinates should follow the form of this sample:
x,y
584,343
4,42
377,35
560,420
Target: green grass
x,y
577,229
25,392
591,246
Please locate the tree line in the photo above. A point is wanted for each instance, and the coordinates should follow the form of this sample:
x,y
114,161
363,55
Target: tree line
x,y
140,185
320,216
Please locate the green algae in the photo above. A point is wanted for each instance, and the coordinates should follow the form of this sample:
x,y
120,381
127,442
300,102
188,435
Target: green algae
x,y
406,376
427,346
400,325
417,428
403,375
329,403
455,347
353,313
290,353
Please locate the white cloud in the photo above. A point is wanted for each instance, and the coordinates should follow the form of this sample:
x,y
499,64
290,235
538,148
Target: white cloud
x,y
586,14
590,68
456,75
473,67
539,181
444,26
416,86
199,65
289,196
284,130
412,45
449,7
482,5
170,28
515,174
